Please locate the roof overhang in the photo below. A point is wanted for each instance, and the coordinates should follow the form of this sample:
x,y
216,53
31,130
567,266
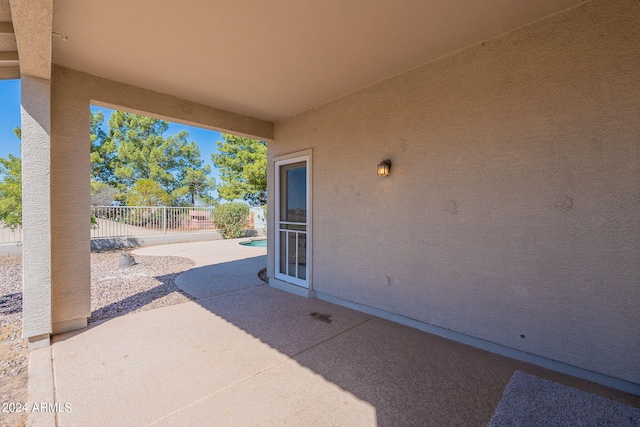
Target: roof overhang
x,y
267,59
9,60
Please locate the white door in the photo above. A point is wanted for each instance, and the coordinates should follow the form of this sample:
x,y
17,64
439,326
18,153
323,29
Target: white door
x,y
293,213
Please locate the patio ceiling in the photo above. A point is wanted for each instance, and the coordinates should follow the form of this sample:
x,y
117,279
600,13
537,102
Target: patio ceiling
x,y
271,59
9,64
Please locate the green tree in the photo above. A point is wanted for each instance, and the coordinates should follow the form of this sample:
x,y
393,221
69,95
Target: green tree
x,y
147,192
135,149
11,191
143,153
103,152
197,183
243,169
11,188
205,197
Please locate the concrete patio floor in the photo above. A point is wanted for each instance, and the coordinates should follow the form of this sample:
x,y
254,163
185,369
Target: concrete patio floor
x,y
244,354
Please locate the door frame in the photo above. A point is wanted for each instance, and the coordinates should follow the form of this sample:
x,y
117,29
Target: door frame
x,y
300,156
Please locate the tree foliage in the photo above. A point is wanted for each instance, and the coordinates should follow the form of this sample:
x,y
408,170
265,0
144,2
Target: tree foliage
x,y
11,191
243,169
132,156
147,192
135,150
196,182
11,188
206,197
103,152
102,194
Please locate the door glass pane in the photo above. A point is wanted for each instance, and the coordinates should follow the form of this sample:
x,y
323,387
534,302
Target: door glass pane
x,y
293,192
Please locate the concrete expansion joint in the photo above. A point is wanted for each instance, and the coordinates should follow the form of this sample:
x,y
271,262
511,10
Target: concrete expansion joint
x,y
55,387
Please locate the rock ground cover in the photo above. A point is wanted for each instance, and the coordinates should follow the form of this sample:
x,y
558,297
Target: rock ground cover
x,y
115,291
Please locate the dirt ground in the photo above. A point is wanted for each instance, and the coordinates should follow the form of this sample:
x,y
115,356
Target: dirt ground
x,y
14,363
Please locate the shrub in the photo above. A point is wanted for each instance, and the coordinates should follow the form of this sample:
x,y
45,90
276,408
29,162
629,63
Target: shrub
x,y
231,219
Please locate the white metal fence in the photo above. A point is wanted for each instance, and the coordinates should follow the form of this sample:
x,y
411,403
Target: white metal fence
x,y
121,221
7,235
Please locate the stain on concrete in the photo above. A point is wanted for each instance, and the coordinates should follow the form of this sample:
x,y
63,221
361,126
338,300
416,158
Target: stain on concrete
x,y
564,204
451,207
321,316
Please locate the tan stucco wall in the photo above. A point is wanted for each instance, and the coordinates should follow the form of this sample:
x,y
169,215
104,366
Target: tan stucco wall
x,y
36,206
32,21
70,209
72,93
133,99
512,212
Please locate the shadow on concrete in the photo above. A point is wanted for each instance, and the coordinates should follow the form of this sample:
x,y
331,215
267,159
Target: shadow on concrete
x,y
11,303
111,243
137,301
222,278
409,376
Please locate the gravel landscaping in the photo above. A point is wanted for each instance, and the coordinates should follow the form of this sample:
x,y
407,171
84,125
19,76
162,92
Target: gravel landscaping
x,y
115,291
148,284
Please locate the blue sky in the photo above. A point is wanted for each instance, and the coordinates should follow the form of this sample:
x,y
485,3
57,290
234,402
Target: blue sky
x,y
10,118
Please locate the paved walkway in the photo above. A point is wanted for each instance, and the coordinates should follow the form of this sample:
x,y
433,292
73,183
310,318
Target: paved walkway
x,y
245,354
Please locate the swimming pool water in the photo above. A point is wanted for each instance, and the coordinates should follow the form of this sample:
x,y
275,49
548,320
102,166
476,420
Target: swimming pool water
x,y
262,243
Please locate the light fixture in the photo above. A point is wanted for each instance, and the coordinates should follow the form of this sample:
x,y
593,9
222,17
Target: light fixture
x,y
384,167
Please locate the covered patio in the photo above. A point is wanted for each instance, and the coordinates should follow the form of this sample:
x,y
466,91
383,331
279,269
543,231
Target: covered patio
x,y
508,217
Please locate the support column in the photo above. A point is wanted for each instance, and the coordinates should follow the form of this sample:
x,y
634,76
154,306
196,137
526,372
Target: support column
x,y
36,210
70,205
55,185
56,209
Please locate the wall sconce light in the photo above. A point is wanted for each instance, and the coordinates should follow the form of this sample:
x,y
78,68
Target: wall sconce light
x,y
384,167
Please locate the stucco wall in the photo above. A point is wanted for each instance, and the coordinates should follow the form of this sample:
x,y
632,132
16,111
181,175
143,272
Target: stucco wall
x,y
70,202
512,212
36,207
